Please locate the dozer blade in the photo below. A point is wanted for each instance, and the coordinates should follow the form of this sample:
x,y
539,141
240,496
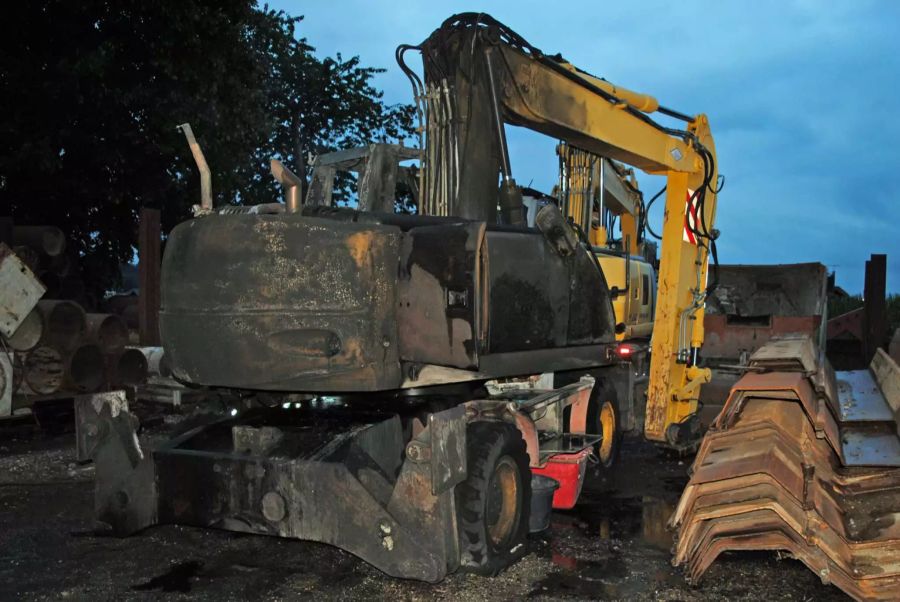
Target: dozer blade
x,y
804,460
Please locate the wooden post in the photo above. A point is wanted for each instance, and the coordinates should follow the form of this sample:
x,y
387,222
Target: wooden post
x,y
875,312
148,277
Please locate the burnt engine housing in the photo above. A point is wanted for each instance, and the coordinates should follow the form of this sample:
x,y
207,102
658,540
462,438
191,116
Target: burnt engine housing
x,y
357,301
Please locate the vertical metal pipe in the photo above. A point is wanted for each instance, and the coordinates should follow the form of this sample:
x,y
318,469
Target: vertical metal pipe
x,y
291,183
602,189
498,119
205,178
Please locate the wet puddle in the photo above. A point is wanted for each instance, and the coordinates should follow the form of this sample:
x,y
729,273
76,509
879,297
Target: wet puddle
x,y
608,547
641,518
177,579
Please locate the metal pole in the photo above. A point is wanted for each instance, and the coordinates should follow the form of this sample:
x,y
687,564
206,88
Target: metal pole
x,y
206,203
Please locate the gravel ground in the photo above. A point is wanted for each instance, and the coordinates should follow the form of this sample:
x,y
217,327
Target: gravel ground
x,y
613,546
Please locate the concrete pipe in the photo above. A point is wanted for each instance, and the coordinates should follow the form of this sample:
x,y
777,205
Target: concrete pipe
x,y
64,324
125,306
131,316
49,240
157,363
18,371
85,368
61,264
28,256
28,334
128,368
44,370
117,303
108,331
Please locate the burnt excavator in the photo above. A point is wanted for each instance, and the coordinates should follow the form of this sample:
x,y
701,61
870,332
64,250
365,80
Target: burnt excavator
x,y
396,379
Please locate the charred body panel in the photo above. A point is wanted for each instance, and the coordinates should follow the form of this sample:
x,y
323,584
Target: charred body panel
x,y
754,303
358,301
281,302
329,475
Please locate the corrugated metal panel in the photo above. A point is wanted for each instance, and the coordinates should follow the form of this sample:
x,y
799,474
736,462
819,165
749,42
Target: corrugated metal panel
x,y
787,467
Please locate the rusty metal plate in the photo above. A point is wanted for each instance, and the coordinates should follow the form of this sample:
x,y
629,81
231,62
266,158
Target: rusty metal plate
x,y
448,448
21,291
787,353
774,473
860,399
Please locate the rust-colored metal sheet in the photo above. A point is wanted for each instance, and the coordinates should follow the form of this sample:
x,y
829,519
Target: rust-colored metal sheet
x,y
754,303
772,474
782,385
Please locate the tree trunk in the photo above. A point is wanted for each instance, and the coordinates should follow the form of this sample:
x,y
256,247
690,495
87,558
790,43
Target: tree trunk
x,y
299,155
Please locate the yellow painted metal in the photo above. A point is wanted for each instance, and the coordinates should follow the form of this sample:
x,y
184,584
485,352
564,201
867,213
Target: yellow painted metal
x,y
607,430
581,176
674,387
641,102
628,223
548,102
539,98
634,308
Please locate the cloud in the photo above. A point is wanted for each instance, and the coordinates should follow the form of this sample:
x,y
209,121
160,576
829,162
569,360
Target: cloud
x,y
802,98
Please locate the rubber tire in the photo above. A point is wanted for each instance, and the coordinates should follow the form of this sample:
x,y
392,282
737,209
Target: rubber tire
x,y
486,444
604,391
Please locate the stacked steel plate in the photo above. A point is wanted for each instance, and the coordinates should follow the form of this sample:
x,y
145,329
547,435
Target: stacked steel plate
x,y
806,461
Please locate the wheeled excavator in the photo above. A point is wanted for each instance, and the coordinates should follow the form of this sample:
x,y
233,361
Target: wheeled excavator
x,y
396,378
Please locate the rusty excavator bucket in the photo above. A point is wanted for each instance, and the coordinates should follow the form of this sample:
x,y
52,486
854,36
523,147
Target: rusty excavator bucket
x,y
803,460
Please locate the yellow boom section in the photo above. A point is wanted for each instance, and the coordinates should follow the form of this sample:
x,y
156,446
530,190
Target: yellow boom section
x,y
564,103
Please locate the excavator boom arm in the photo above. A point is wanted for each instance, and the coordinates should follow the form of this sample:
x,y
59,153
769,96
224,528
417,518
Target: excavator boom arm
x,y
480,74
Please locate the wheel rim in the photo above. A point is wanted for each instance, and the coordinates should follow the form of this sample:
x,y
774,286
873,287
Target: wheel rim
x,y
502,497
608,430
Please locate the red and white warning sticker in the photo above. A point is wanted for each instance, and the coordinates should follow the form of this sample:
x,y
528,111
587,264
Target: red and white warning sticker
x,y
690,219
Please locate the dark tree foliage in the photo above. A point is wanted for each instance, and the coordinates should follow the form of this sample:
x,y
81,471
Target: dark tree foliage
x,y
91,93
840,305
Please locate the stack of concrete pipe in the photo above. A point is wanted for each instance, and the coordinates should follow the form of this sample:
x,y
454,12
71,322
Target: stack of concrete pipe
x,y
43,249
59,347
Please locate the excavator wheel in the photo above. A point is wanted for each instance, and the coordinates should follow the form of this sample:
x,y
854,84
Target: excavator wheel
x,y
494,502
603,417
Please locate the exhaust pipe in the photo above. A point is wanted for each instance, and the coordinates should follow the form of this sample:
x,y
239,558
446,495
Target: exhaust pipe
x,y
206,203
292,184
